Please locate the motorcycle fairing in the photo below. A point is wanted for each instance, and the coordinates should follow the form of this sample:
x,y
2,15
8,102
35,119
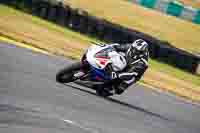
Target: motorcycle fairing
x,y
99,74
99,57
96,57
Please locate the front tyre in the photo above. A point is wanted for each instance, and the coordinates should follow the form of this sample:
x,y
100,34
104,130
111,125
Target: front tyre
x,y
67,74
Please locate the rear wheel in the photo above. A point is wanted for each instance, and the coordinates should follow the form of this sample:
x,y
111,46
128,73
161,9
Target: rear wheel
x,y
67,74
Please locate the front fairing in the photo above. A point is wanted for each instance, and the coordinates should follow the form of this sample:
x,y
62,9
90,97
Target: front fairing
x,y
98,60
97,56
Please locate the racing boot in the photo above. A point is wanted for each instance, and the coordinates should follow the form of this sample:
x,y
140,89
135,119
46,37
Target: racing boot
x,y
121,88
101,91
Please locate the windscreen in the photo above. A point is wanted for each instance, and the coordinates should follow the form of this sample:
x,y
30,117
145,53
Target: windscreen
x,y
104,53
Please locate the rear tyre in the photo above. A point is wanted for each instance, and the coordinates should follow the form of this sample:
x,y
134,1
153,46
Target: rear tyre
x,y
66,74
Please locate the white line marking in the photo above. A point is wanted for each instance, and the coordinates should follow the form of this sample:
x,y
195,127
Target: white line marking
x,y
69,121
80,126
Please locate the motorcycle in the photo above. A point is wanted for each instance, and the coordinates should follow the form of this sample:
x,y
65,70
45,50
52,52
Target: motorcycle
x,y
95,69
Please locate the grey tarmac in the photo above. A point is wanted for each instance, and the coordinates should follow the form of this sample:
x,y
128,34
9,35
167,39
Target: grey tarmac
x,y
32,101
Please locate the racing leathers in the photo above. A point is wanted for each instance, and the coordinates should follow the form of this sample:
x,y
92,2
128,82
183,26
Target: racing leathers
x,y
137,64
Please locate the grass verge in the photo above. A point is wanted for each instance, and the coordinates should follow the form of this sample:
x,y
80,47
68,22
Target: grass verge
x,y
56,40
182,34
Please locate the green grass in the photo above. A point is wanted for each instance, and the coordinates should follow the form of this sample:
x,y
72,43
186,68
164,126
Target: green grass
x,y
175,72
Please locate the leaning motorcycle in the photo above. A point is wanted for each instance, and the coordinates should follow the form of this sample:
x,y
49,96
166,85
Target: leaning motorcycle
x,y
97,69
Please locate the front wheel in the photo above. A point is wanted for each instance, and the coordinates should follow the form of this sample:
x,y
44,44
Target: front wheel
x,y
67,74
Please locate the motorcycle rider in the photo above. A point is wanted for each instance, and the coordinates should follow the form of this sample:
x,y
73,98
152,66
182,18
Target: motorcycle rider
x,y
136,55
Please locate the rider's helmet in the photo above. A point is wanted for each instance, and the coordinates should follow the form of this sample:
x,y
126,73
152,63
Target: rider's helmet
x,y
138,47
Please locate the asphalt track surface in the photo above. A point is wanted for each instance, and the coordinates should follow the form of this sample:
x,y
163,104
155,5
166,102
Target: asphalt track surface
x,y
31,101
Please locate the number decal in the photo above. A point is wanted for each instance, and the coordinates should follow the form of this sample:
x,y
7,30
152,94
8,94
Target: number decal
x,y
114,75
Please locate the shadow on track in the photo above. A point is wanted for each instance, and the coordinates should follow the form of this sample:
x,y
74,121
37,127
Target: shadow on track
x,y
122,103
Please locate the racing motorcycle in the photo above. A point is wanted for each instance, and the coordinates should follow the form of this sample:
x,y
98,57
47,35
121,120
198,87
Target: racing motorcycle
x,y
95,69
